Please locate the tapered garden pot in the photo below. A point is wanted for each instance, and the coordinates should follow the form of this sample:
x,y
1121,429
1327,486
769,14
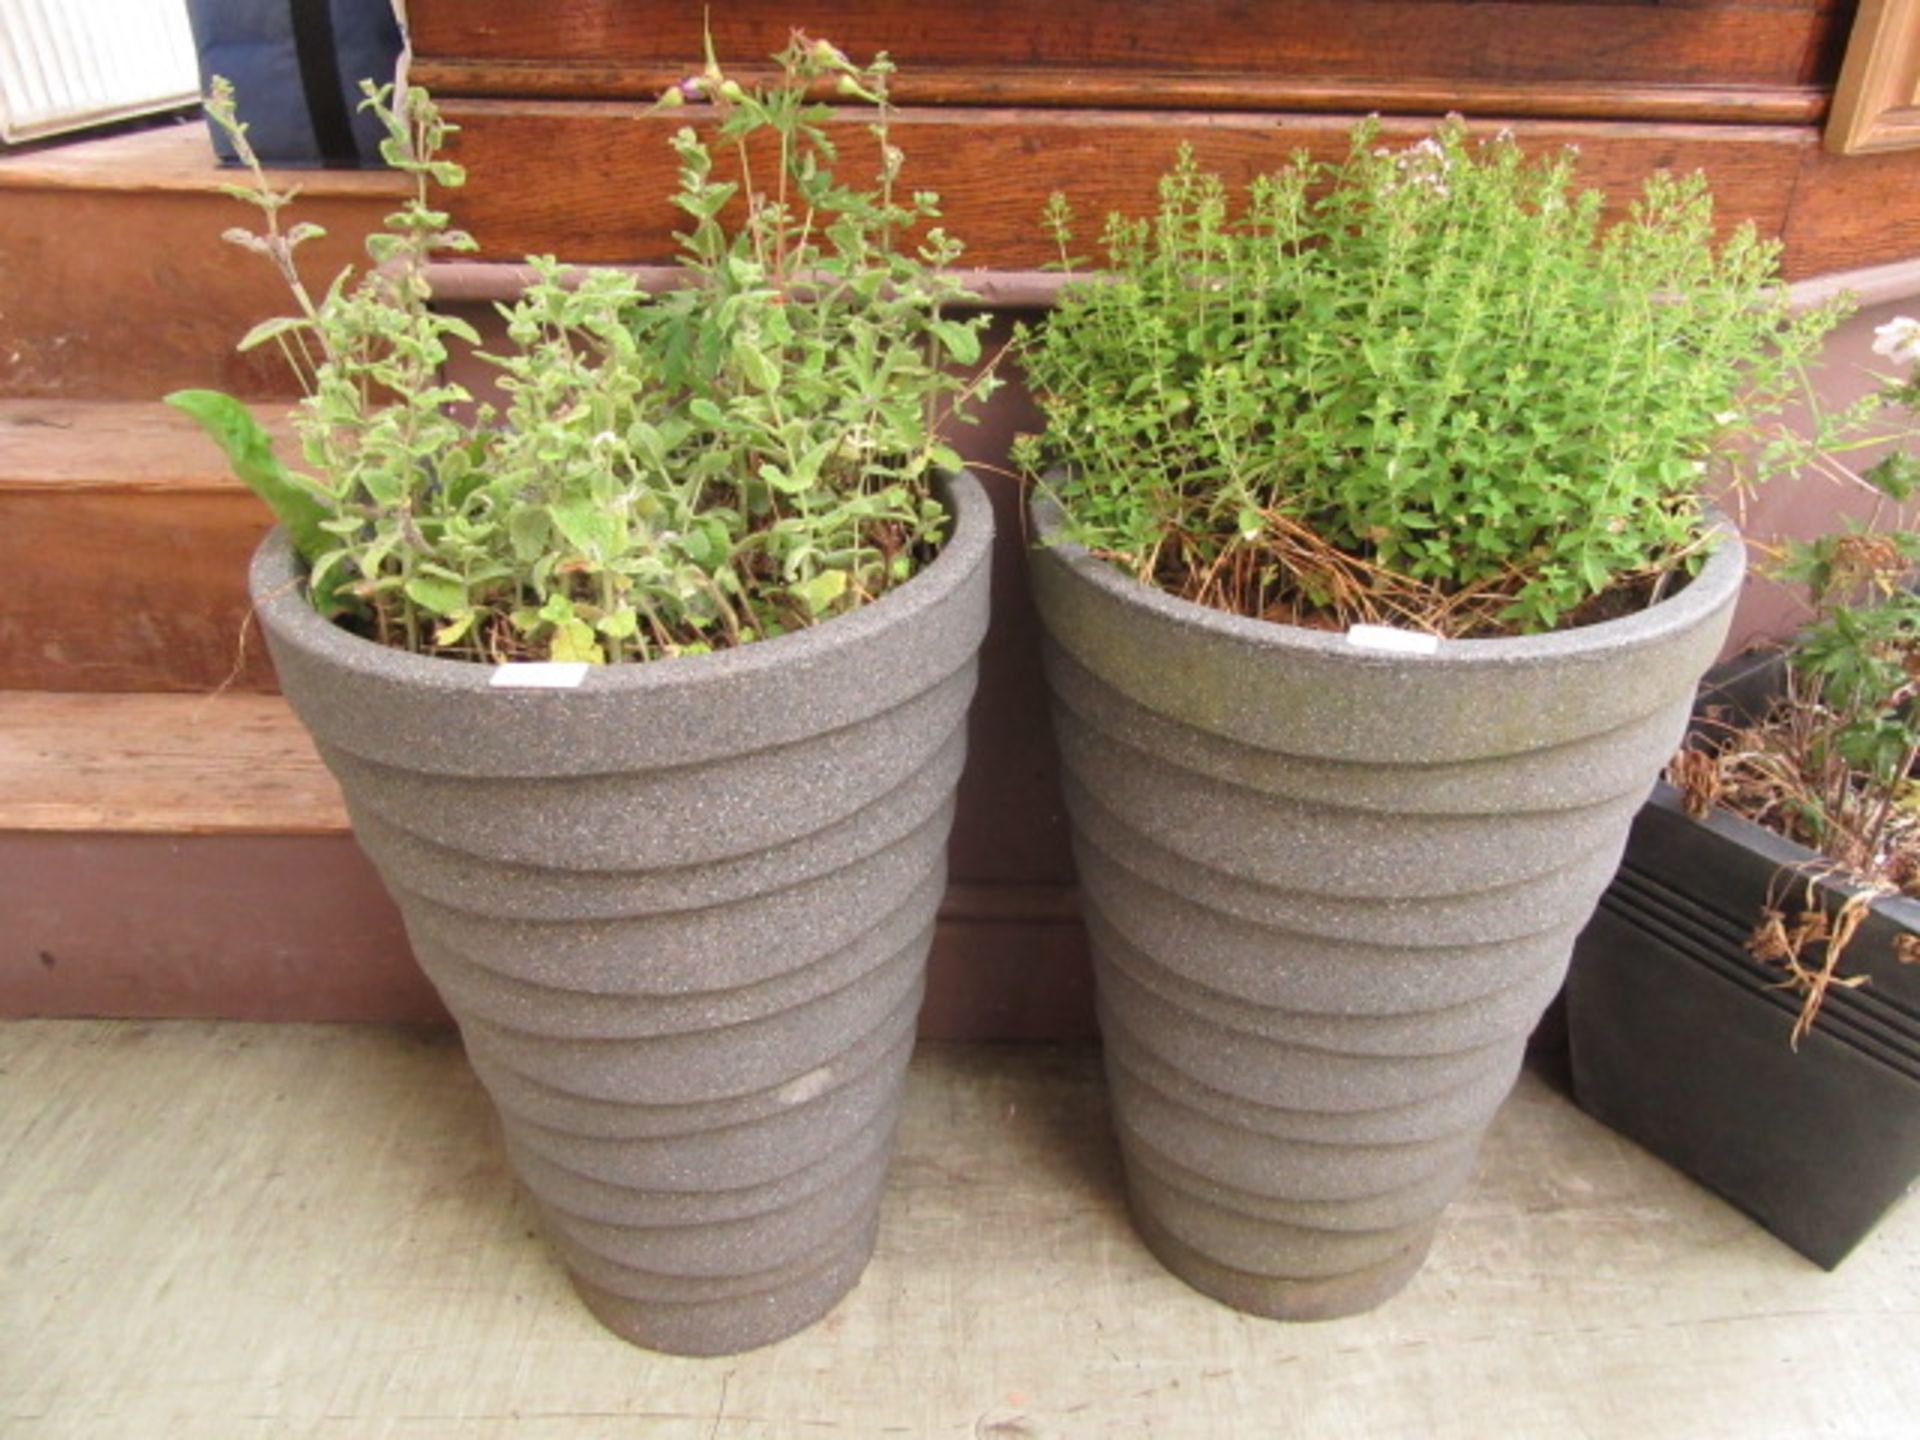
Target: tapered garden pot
x,y
681,912
1330,890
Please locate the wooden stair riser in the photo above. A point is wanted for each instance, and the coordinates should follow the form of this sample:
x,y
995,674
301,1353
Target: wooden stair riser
x,y
117,286
298,928
126,546
182,855
145,593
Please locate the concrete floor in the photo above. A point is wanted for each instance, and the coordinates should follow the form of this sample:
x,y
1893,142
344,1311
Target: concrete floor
x,y
239,1231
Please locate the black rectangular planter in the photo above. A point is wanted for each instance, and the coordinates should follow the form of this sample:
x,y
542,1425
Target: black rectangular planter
x,y
1680,1039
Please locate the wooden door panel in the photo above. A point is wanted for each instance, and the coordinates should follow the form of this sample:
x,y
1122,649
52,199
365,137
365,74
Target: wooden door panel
x,y
590,181
594,48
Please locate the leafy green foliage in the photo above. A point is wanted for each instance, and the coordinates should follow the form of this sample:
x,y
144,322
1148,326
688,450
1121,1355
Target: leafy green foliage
x,y
748,454
1854,672
1829,762
249,451
1422,386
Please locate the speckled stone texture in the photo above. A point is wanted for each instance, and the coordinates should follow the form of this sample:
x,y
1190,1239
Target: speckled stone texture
x,y
682,915
1330,891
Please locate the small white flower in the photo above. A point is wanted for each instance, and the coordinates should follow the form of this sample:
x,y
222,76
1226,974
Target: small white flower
x,y
1726,417
1898,340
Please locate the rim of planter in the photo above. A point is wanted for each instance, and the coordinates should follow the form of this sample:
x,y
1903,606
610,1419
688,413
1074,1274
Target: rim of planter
x,y
279,587
1705,592
432,715
1777,849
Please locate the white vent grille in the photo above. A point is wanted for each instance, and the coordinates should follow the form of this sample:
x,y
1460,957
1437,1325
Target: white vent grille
x,y
65,64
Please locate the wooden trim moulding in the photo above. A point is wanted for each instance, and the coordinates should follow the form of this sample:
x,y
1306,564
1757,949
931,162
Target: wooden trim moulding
x,y
482,282
1120,89
1876,105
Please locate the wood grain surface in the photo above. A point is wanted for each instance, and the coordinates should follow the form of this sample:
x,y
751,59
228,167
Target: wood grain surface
x,y
591,180
114,281
175,765
126,545
996,85
1712,42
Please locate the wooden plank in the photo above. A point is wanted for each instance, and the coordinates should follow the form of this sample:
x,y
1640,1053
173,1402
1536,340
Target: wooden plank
x,y
175,765
1113,89
591,180
227,927
1853,210
189,856
299,928
243,765
173,159
1715,42
129,591
115,284
57,445
126,543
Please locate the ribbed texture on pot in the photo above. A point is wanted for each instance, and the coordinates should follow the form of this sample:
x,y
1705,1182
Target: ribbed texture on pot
x,y
1330,891
681,914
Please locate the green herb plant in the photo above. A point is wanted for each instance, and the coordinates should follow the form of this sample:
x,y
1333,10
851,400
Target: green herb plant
x,y
1829,762
659,475
1425,386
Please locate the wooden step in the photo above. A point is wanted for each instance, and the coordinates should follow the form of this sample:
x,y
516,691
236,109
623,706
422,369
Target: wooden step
x,y
115,283
173,855
189,856
162,765
125,542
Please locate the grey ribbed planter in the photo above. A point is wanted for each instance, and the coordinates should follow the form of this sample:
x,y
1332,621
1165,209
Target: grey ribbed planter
x,y
681,914
1330,891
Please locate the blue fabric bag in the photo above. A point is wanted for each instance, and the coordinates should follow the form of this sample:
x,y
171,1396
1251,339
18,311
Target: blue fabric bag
x,y
296,67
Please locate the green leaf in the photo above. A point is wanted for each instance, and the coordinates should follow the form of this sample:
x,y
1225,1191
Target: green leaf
x,y
527,531
443,597
779,479
268,329
456,630
705,411
587,527
962,342
573,640
648,443
761,372
1896,475
819,593
622,624
249,451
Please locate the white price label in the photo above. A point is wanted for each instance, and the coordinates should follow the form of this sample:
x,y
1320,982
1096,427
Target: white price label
x,y
540,675
1392,641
